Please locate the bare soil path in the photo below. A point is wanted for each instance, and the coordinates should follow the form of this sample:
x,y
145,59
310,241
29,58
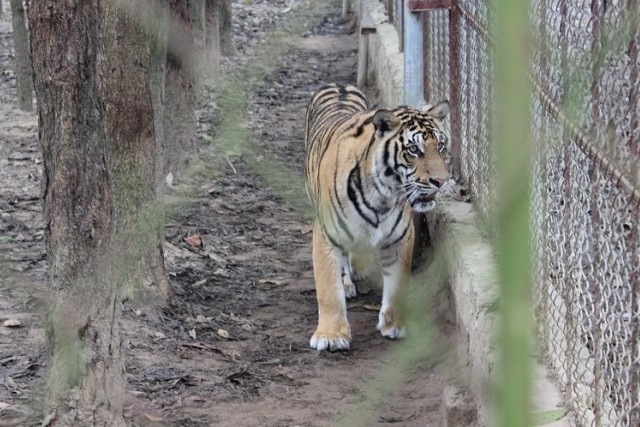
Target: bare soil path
x,y
232,347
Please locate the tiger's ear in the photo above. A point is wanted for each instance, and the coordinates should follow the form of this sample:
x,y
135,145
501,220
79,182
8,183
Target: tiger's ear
x,y
384,121
439,111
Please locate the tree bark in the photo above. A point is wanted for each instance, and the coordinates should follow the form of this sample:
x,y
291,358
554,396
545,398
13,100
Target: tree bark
x,y
213,48
101,205
180,89
24,81
159,30
198,24
226,32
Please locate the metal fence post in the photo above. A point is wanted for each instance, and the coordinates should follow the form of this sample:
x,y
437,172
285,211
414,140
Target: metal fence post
x,y
418,50
454,84
413,57
414,52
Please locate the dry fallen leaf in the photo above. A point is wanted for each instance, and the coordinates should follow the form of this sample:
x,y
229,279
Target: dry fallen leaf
x,y
159,334
192,334
274,282
194,241
232,354
200,318
153,418
199,283
224,333
222,272
372,307
195,345
12,323
305,229
217,258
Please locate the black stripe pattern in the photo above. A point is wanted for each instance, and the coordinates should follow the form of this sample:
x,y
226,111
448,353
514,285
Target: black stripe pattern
x,y
355,171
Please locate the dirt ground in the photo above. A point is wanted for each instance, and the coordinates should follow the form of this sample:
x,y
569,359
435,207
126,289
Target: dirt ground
x,y
232,347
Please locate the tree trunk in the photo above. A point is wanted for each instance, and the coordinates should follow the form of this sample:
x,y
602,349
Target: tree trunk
x,y
180,84
159,30
198,24
212,19
226,32
24,81
102,221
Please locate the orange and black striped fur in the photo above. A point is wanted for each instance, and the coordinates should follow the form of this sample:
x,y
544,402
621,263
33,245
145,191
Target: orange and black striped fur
x,y
366,172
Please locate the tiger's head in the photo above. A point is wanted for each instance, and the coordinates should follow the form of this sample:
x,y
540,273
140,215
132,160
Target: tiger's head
x,y
415,142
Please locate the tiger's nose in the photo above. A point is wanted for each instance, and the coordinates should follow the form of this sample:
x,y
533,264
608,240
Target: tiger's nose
x,y
438,182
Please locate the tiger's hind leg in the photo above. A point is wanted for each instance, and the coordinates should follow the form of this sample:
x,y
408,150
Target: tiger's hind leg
x,y
333,332
363,265
350,290
358,268
396,273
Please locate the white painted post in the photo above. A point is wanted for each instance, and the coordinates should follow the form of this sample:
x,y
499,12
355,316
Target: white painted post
x,y
345,8
398,17
366,28
413,58
363,59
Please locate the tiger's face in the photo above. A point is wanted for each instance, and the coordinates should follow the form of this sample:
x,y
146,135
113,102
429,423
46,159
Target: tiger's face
x,y
418,163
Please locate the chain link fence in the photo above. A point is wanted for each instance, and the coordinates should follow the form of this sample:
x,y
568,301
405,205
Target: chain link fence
x,y
585,181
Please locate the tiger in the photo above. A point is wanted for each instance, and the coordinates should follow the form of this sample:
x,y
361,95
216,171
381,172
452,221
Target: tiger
x,y
366,173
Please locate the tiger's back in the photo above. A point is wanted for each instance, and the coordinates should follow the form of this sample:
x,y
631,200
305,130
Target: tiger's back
x,y
328,114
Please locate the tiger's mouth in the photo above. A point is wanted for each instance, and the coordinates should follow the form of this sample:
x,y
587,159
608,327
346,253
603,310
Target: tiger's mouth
x,y
424,202
426,197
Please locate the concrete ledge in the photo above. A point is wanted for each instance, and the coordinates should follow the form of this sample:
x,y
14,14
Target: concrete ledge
x,y
474,286
474,289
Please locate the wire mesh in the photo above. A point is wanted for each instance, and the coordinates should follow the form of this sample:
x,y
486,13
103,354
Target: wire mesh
x,y
585,182
437,59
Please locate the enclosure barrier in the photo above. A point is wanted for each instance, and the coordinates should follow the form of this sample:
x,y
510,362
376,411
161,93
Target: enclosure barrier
x,y
585,179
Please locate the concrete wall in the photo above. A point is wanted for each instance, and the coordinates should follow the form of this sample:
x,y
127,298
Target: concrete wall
x,y
454,229
474,288
385,61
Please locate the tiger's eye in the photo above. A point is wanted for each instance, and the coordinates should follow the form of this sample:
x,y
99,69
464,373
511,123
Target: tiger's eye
x,y
442,142
413,150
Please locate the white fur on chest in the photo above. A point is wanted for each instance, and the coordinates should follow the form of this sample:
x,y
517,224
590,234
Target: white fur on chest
x,y
367,237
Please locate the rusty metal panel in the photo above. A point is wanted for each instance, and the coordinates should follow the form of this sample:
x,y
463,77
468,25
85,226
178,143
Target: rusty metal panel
x,y
426,5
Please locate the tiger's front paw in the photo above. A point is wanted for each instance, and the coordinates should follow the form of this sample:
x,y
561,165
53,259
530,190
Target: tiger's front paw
x,y
331,340
391,325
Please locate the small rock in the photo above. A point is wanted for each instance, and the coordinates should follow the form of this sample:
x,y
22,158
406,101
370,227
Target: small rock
x,y
12,323
169,179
